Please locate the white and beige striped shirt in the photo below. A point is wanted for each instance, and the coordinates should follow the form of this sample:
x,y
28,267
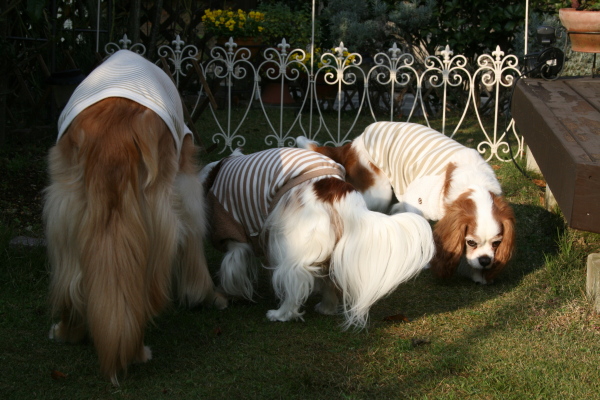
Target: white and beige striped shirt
x,y
129,75
406,151
248,187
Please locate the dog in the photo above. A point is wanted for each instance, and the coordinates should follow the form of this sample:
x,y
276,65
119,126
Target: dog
x,y
123,212
401,167
294,208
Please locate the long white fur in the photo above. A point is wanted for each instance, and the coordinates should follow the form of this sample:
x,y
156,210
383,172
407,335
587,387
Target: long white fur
x,y
425,195
374,254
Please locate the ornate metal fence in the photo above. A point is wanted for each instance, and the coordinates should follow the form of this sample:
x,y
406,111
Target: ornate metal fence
x,y
391,86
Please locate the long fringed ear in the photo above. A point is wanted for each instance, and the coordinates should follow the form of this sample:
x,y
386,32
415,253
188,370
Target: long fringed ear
x,y
449,246
503,213
449,236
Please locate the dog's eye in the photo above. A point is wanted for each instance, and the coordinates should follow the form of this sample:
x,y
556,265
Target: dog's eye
x,y
472,243
496,244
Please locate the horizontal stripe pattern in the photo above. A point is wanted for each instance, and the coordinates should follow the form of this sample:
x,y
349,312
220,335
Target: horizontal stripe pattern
x,y
406,151
127,74
247,184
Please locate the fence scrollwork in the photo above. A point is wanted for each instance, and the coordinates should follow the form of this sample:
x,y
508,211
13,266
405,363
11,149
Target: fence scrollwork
x,y
384,83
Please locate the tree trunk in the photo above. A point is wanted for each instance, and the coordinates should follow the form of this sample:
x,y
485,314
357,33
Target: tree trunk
x,y
158,7
134,21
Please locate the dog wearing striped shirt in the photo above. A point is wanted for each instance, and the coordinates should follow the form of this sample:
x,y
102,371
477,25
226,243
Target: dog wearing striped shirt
x,y
122,212
294,207
401,167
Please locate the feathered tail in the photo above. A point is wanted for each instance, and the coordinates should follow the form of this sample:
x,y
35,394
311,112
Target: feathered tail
x,y
111,229
375,254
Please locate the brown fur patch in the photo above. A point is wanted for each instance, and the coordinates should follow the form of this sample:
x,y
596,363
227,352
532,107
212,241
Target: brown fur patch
x,y
449,170
330,190
503,213
449,235
357,174
112,224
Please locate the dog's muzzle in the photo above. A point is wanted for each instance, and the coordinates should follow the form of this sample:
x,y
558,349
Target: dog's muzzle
x,y
484,261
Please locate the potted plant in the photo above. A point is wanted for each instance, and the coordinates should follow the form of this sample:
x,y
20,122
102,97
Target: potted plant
x,y
246,28
281,21
582,22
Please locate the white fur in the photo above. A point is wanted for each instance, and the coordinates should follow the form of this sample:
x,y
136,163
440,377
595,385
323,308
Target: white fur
x,y
374,254
424,196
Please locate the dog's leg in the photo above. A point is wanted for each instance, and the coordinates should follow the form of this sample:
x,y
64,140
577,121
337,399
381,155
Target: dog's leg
x,y
195,284
70,329
62,212
239,270
301,239
476,275
293,284
330,301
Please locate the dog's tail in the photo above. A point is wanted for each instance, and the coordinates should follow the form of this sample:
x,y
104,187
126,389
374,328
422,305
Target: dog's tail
x,y
375,253
126,236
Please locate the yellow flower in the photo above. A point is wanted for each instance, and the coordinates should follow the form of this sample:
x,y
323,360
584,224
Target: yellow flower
x,y
232,23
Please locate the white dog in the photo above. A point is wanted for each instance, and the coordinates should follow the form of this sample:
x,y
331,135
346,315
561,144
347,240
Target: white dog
x,y
124,211
293,206
438,178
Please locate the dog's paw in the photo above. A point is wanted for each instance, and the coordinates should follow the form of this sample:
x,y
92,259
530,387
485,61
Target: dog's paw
x,y
145,355
283,316
478,277
54,333
326,309
220,301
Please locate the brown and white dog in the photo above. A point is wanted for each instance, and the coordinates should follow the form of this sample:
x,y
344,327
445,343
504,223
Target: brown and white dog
x,y
123,211
438,178
314,229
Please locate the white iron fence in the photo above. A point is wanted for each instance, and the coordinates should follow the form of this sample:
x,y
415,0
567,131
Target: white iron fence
x,y
391,86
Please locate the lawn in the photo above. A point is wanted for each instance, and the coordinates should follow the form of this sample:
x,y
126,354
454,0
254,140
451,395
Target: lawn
x,y
531,334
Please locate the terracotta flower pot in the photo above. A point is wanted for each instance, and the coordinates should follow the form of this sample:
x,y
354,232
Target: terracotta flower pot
x,y
274,93
581,26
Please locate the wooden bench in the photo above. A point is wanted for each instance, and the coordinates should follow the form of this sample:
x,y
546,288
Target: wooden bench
x,y
560,121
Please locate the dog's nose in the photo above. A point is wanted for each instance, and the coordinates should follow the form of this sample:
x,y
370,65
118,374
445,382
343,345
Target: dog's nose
x,y
484,261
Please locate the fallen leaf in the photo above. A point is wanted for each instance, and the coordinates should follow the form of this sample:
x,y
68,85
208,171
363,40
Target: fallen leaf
x,y
495,167
396,318
57,375
539,182
218,331
419,341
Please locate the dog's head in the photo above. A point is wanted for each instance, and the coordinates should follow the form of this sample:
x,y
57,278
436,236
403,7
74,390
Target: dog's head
x,y
479,225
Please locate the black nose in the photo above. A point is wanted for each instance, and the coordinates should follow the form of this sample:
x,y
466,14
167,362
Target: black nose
x,y
484,261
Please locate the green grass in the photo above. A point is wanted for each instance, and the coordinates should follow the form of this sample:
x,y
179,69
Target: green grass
x,y
531,335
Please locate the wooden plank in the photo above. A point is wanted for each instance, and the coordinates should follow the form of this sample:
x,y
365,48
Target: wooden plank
x,y
592,285
560,121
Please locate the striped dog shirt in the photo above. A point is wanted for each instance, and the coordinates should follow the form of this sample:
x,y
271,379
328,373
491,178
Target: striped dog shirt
x,y
407,151
127,74
246,188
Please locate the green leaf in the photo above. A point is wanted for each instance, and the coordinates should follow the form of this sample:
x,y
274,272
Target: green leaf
x,y
35,9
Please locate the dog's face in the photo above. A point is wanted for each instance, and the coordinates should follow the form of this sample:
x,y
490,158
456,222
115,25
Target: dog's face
x,y
481,246
480,226
484,232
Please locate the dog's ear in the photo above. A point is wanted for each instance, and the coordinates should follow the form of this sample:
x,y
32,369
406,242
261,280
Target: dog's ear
x,y
449,234
504,213
449,238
